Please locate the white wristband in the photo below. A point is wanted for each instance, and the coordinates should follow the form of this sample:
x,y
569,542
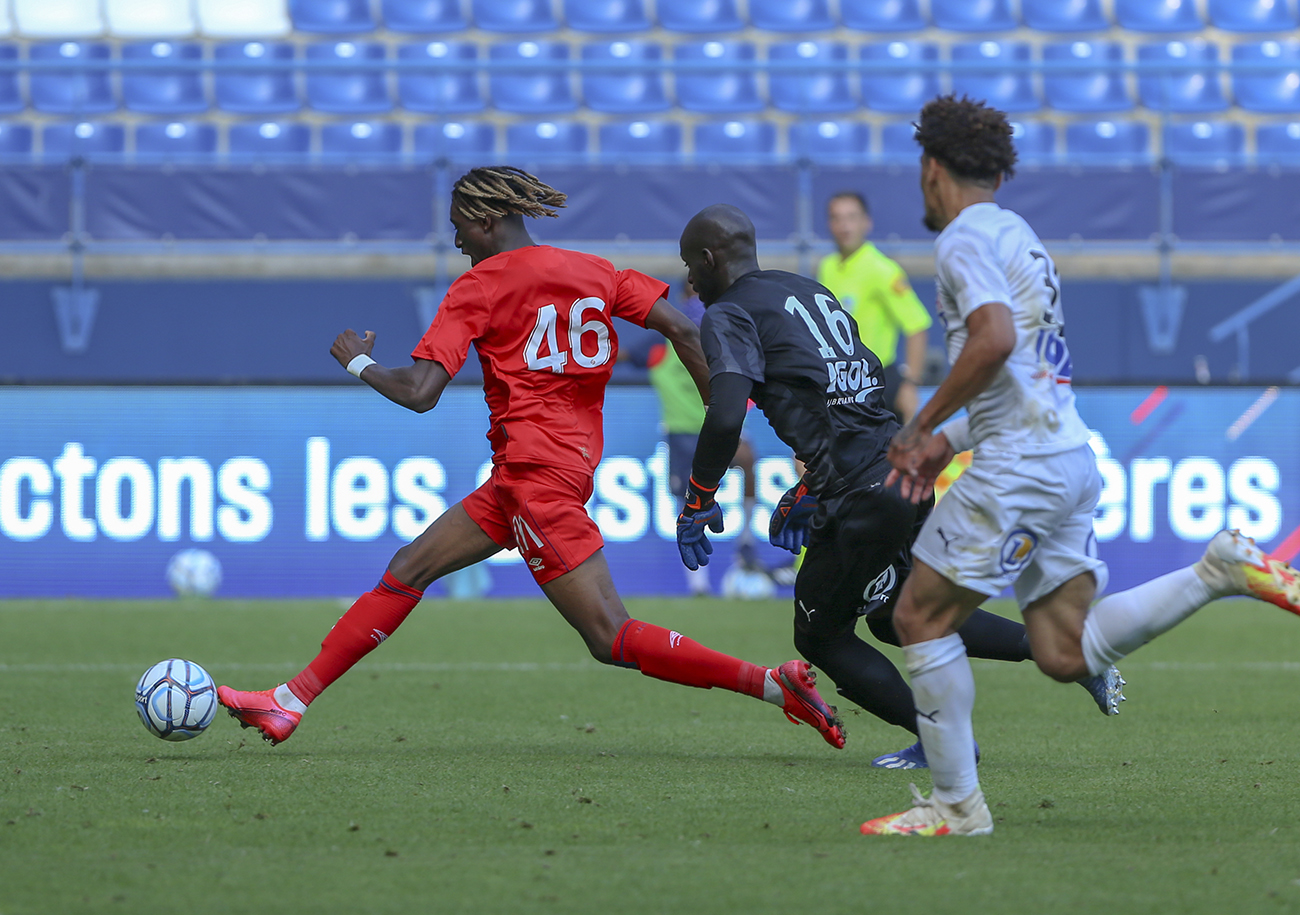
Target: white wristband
x,y
358,363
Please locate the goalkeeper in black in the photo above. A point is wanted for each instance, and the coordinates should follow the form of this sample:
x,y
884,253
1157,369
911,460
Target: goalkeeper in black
x,y
785,342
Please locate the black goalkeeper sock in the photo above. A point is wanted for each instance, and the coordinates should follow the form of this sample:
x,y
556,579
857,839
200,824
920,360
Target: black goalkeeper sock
x,y
862,675
987,635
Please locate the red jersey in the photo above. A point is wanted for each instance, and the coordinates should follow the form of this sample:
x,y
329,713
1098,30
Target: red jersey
x,y
540,318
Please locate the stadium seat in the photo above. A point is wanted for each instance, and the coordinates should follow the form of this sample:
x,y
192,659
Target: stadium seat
x,y
85,139
66,92
822,89
1035,141
347,91
902,91
331,16
439,90
1278,144
255,91
791,15
11,97
699,15
361,139
515,15
624,92
830,141
243,18
1182,90
1009,90
735,141
606,15
1273,92
269,140
1064,15
882,15
1108,142
459,141
424,16
6,20
15,140
1252,15
531,91
1205,143
163,91
546,141
1090,90
898,143
717,91
150,18
1158,15
58,18
641,140
175,140
973,15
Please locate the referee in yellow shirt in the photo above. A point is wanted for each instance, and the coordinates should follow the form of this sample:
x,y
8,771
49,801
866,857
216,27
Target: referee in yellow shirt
x,y
876,292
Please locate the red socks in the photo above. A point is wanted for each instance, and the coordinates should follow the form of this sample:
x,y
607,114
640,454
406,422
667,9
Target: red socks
x,y
373,618
668,655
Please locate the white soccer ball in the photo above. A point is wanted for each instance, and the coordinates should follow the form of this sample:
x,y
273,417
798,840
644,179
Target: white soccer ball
x,y
747,584
176,699
194,573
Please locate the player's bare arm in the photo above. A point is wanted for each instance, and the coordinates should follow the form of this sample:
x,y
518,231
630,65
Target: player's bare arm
x,y
417,387
685,338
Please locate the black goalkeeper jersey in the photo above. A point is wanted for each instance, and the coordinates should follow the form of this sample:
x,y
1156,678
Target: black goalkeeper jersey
x,y
814,380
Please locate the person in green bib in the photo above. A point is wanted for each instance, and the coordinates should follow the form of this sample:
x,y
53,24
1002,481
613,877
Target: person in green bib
x,y
875,290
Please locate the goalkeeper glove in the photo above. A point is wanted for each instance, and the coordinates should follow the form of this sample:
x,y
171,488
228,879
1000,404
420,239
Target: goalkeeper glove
x,y
792,520
700,512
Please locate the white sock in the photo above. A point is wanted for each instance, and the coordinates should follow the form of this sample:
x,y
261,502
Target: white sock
x,y
746,526
772,690
287,700
944,690
1119,624
698,580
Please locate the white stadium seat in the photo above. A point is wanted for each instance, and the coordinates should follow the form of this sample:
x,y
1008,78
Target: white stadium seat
x,y
243,18
149,18
58,18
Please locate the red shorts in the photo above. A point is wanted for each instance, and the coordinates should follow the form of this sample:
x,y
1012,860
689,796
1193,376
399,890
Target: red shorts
x,y
539,510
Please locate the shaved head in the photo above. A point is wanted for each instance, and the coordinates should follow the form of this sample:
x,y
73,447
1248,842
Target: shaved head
x,y
718,247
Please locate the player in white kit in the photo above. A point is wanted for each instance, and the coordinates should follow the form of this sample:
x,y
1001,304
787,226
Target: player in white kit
x,y
1021,515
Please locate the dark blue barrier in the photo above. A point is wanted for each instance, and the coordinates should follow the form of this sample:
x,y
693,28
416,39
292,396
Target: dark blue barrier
x,y
34,203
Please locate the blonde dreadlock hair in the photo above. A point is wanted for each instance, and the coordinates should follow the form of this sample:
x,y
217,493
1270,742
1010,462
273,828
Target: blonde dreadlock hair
x,y
505,191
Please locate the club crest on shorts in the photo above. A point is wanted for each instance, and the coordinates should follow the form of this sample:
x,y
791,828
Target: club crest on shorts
x,y
1018,549
881,585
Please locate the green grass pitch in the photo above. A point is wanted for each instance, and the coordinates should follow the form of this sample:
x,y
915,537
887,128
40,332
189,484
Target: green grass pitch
x,y
480,762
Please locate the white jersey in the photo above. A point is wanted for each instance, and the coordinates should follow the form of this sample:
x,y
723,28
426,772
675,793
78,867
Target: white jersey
x,y
988,254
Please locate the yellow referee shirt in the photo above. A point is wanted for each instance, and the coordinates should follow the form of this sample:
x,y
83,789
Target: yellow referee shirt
x,y
875,290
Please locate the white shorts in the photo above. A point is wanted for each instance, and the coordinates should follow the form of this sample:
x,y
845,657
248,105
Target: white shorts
x,y
1017,520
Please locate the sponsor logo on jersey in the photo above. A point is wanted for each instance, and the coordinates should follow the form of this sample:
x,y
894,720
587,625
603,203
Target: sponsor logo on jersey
x,y
852,380
1018,549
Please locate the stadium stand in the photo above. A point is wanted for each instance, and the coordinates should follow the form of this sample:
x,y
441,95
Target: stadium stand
x,y
150,18
1212,143
514,15
699,15
68,92
1181,91
882,15
58,18
1122,143
331,16
824,89
1252,15
973,15
904,91
84,139
176,140
717,91
791,15
15,140
735,141
1010,90
829,141
1277,92
531,91
439,91
622,16
1158,15
11,96
361,138
1035,141
167,92
347,91
459,141
641,141
624,92
424,17
546,140
896,143
1088,91
1064,15
243,18
255,91
1278,144
269,140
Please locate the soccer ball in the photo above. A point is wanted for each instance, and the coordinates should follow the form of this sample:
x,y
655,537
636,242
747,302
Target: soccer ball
x,y
176,699
740,583
194,573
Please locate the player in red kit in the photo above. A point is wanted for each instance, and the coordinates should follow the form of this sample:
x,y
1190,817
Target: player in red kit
x,y
541,321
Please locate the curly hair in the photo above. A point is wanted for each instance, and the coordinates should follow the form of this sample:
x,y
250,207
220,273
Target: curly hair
x,y
972,140
504,191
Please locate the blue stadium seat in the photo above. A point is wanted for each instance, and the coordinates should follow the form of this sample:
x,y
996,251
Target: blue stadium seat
x,y
15,139
1252,15
439,90
269,140
85,139
1205,143
1091,90
347,91
606,15
1158,15
179,139
467,141
718,91
791,15
361,139
898,143
531,91
882,15
1183,90
11,98
699,15
1278,144
973,15
515,15
1274,92
624,92
546,141
1035,141
1064,15
822,89
830,141
1108,142
735,141
903,92
163,91
255,91
65,92
331,16
1009,90
424,16
634,141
